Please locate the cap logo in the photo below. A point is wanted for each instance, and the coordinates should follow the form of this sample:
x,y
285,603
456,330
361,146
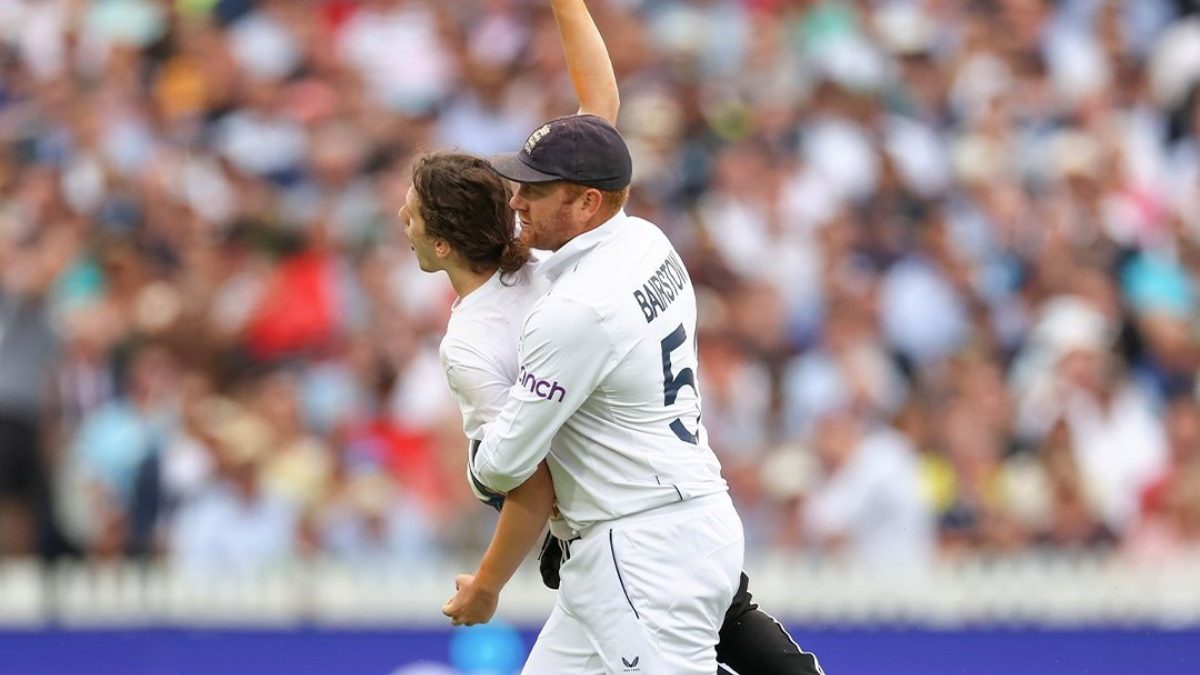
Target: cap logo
x,y
536,137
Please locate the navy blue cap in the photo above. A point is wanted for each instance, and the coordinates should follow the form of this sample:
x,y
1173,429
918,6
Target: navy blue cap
x,y
583,149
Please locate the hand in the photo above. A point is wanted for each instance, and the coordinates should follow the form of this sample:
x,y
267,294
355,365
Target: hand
x,y
472,602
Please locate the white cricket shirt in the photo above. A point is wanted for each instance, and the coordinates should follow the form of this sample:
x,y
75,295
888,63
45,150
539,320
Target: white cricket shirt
x,y
479,350
608,376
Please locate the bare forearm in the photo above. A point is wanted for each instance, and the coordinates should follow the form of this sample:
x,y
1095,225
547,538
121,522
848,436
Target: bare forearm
x,y
526,510
587,58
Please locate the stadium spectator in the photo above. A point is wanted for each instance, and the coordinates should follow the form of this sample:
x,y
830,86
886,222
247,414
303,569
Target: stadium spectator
x,y
236,527
866,506
30,259
975,223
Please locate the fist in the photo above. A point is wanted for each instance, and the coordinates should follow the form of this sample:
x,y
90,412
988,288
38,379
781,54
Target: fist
x,y
471,604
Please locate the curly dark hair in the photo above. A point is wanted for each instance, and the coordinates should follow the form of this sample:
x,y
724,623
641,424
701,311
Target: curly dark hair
x,y
465,202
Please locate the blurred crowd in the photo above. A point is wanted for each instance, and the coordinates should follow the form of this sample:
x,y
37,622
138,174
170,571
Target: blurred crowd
x,y
946,254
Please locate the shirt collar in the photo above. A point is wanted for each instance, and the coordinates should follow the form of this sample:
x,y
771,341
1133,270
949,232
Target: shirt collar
x,y
565,258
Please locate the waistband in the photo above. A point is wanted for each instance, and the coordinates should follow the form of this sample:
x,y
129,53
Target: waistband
x,y
669,510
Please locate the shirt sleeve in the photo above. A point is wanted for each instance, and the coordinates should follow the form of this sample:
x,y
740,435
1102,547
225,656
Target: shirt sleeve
x,y
565,353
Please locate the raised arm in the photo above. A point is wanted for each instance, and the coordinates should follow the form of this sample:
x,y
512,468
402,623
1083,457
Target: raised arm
x,y
588,63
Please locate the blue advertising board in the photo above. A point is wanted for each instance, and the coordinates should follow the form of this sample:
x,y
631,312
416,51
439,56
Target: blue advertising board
x,y
498,650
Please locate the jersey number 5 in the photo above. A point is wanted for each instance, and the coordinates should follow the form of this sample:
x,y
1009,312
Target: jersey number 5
x,y
673,383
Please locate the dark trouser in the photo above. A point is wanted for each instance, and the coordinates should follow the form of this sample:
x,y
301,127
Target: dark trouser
x,y
25,488
21,476
22,484
753,643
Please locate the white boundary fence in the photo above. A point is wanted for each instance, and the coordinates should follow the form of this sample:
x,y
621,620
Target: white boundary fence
x,y
1052,591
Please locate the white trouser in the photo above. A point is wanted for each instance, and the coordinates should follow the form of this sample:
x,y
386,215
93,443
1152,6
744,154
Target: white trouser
x,y
645,594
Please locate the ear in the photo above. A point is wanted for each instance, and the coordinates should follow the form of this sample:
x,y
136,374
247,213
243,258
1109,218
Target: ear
x,y
590,203
442,248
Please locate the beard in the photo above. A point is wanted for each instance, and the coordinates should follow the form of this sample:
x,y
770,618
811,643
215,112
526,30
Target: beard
x,y
550,233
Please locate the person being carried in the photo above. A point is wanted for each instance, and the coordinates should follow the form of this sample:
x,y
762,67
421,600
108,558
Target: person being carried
x,y
454,229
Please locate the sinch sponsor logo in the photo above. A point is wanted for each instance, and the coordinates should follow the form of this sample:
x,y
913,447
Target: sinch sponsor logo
x,y
546,389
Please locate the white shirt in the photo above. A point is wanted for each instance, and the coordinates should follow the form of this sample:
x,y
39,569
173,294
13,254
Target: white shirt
x,y
400,55
608,374
479,350
874,501
220,532
1120,448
